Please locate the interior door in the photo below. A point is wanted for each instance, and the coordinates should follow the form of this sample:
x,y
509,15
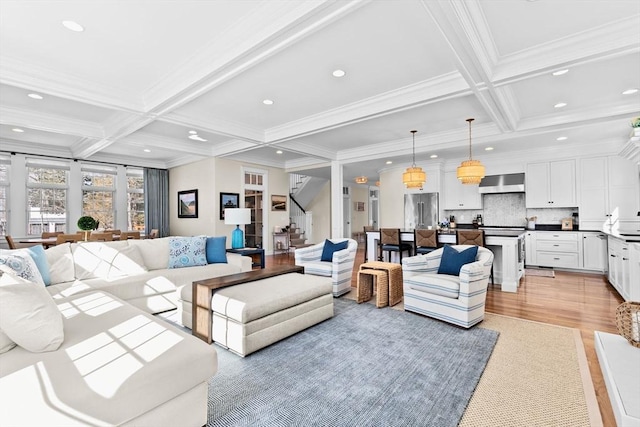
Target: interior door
x,y
346,216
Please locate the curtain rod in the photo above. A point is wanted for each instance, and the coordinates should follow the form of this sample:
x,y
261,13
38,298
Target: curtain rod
x,y
13,153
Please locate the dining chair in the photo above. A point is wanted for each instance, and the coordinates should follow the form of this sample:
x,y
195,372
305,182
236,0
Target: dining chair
x,y
425,241
10,242
472,237
50,234
101,236
69,238
390,242
17,245
366,228
125,235
113,232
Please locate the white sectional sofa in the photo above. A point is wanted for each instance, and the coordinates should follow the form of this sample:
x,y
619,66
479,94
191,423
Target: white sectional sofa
x,y
133,270
117,364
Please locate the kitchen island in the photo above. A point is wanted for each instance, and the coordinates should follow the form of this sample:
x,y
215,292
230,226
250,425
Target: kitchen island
x,y
507,246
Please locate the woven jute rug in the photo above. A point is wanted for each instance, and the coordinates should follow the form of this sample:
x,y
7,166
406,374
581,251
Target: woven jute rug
x,y
537,375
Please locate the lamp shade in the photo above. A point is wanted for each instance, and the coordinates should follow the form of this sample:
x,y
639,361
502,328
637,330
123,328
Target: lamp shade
x,y
237,216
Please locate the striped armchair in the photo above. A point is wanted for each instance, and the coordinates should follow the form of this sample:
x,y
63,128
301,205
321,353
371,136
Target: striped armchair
x,y
340,269
454,299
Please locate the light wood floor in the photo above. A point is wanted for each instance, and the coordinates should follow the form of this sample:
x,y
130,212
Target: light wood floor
x,y
583,301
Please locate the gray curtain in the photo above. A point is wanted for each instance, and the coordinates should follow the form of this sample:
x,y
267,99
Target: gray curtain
x,y
156,201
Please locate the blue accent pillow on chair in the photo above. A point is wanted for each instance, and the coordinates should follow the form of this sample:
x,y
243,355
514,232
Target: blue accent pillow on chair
x,y
330,247
217,250
452,260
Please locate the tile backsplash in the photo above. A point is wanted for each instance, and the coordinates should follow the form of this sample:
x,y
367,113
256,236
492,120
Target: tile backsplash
x,y
509,210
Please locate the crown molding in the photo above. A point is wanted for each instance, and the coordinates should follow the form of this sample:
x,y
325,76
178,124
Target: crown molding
x,y
246,157
619,38
150,140
439,88
184,160
65,85
34,148
214,125
267,30
49,122
293,166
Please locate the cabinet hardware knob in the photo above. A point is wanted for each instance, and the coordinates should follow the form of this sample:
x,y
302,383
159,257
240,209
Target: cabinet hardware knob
x,y
612,255
557,259
625,259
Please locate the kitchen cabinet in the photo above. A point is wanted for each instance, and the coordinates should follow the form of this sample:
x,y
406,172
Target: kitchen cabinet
x,y
530,248
594,251
619,267
551,184
557,249
459,196
609,191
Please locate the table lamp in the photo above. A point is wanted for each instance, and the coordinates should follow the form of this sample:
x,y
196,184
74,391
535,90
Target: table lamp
x,y
237,217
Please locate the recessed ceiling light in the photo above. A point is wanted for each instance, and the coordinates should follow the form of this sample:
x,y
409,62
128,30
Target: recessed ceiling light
x,y
630,91
17,130
560,105
488,149
73,26
339,73
560,72
388,162
197,138
267,102
434,156
561,138
146,150
193,132
34,96
279,152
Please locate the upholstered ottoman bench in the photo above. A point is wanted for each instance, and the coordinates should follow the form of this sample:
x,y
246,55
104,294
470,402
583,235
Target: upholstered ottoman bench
x,y
250,316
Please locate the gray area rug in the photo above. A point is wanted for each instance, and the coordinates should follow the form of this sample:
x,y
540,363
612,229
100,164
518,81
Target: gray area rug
x,y
364,367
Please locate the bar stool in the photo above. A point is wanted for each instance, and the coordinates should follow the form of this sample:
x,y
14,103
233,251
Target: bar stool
x,y
426,241
390,242
472,237
366,228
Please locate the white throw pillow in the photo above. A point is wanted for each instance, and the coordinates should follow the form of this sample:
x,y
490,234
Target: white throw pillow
x,y
60,262
106,260
155,252
22,265
28,314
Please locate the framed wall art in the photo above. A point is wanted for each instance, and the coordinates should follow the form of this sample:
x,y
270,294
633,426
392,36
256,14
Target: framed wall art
x,y
228,200
188,204
278,203
359,206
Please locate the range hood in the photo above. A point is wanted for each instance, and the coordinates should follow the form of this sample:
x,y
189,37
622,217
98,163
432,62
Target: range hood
x,y
507,183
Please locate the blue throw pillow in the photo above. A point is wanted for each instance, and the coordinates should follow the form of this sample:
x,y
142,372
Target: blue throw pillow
x,y
187,251
40,258
330,248
452,260
217,250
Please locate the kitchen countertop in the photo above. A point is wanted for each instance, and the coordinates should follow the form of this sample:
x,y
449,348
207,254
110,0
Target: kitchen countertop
x,y
631,236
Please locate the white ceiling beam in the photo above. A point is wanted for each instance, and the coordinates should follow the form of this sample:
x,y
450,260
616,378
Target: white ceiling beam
x,y
245,45
416,95
49,122
217,126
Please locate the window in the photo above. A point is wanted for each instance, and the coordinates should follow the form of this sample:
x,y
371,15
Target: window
x,y
4,192
47,185
135,199
98,194
252,178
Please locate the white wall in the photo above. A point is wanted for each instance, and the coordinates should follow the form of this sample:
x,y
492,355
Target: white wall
x,y
320,207
215,175
359,193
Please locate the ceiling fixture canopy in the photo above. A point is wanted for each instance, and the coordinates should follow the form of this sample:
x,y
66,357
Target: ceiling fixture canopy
x,y
361,179
470,171
414,177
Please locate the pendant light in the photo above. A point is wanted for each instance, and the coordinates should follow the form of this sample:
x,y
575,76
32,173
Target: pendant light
x,y
414,177
470,171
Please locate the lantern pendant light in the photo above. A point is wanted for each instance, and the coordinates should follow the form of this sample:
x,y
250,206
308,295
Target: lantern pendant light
x,y
470,171
414,177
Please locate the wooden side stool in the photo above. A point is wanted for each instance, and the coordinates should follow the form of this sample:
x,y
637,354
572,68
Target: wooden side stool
x,y
367,280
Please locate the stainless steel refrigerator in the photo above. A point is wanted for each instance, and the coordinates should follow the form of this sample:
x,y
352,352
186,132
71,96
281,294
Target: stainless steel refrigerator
x,y
420,210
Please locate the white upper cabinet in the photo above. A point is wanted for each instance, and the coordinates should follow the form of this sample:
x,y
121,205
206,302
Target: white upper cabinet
x,y
609,191
460,196
551,184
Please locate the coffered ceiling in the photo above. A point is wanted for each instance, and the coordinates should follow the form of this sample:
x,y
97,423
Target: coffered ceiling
x,y
144,74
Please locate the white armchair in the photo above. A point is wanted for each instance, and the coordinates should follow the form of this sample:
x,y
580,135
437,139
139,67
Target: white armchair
x,y
339,269
455,299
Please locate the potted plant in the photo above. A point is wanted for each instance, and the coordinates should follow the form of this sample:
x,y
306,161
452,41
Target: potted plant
x,y
635,122
87,223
